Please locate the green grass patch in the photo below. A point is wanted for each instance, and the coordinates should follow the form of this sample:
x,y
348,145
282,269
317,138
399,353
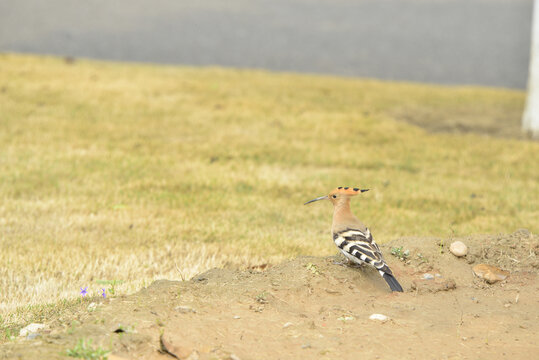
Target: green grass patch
x,y
85,350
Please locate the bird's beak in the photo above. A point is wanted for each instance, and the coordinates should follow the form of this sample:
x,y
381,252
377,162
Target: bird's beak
x,y
363,190
319,198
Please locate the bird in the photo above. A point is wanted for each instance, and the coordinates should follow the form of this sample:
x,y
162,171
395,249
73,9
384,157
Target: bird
x,y
353,238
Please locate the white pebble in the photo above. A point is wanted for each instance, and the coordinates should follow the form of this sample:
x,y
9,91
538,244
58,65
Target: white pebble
x,y
346,318
379,317
428,276
288,324
30,329
458,248
185,309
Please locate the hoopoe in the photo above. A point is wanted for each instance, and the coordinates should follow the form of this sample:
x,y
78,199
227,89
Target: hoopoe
x,y
353,238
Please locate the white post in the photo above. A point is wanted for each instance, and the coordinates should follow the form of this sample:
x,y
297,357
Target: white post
x,y
530,119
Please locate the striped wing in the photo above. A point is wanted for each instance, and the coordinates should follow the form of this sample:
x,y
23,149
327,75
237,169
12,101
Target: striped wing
x,y
361,246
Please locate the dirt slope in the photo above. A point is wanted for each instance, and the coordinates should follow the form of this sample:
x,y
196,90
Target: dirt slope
x,y
318,308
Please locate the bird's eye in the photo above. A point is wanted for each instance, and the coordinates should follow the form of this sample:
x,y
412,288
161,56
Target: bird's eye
x,y
334,196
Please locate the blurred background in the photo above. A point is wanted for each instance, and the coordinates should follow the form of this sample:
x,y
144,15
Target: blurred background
x,y
482,42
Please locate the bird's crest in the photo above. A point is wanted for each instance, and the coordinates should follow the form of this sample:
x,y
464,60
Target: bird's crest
x,y
338,191
347,191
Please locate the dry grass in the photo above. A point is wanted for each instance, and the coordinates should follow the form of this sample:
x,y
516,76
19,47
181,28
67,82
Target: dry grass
x,y
113,171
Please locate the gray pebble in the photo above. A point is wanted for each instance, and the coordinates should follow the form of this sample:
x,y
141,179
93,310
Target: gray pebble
x,y
427,276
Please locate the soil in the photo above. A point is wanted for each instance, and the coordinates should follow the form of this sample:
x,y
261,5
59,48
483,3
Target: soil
x,y
319,308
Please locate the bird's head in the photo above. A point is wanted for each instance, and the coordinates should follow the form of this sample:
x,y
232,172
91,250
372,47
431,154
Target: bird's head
x,y
339,194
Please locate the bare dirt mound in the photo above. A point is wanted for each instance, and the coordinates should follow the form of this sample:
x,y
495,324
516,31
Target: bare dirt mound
x,y
318,308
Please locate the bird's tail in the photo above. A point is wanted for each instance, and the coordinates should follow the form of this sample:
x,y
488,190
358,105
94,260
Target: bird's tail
x,y
392,282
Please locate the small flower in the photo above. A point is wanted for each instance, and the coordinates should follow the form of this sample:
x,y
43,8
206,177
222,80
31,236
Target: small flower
x,y
104,295
83,292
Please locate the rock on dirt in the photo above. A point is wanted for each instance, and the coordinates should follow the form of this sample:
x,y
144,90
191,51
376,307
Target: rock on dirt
x,y
175,351
379,317
458,248
32,329
427,276
346,318
185,309
490,273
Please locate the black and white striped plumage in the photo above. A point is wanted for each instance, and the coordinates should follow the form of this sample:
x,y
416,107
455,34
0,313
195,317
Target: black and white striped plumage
x,y
352,237
359,247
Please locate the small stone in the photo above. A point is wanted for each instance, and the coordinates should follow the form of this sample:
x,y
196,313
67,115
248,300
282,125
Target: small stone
x,y
177,351
306,346
288,324
32,336
30,329
458,248
489,273
523,233
438,275
346,318
237,317
427,276
234,357
379,317
185,309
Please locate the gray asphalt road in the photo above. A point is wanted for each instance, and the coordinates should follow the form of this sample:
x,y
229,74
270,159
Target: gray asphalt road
x,y
482,42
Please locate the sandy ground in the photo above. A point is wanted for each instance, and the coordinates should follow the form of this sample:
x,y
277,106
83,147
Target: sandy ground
x,y
319,308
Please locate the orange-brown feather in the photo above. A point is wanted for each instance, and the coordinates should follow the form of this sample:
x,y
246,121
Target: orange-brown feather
x,y
345,191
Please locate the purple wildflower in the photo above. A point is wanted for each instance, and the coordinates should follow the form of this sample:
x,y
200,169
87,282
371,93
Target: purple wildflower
x,y
83,292
104,295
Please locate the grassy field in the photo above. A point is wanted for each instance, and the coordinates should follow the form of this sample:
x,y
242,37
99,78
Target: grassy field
x,y
135,172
